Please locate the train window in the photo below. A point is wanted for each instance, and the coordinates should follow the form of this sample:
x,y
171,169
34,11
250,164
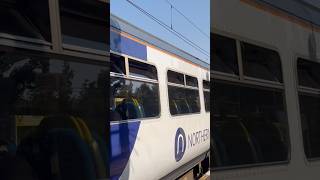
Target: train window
x,y
309,110
28,18
308,73
73,92
143,70
224,54
135,99
117,64
132,99
191,81
249,121
183,100
206,94
174,77
89,18
261,63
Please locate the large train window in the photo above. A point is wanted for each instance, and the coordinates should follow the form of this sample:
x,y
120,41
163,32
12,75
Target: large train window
x,y
84,23
25,18
262,63
134,96
224,52
52,108
183,99
206,94
249,114
309,100
250,126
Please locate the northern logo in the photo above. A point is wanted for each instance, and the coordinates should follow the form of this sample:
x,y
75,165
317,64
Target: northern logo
x,y
180,144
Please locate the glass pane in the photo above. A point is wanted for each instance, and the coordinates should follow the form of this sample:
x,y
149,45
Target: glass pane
x,y
308,73
174,77
143,70
28,18
207,100
45,104
248,121
206,84
309,112
117,64
183,101
261,63
84,23
131,99
224,51
191,81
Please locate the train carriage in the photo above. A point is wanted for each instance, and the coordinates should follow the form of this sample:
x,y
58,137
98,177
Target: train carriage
x,y
159,106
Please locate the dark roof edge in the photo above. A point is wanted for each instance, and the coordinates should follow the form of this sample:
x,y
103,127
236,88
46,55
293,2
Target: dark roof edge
x,y
122,25
298,8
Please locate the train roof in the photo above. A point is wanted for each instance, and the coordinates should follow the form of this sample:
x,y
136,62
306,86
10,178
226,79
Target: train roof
x,y
308,10
124,26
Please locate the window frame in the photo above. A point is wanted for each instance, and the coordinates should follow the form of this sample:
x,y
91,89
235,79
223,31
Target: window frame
x,y
242,77
252,82
304,91
182,86
127,76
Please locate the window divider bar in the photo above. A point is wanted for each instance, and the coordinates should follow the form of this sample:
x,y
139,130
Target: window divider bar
x,y
239,60
55,26
126,64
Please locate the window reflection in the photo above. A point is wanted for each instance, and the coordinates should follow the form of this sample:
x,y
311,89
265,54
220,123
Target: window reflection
x,y
132,99
248,121
52,110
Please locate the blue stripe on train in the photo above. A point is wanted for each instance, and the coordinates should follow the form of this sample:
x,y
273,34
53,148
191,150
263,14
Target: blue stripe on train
x,y
123,137
127,46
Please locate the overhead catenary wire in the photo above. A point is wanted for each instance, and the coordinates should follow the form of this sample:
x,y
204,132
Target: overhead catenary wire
x,y
164,25
188,19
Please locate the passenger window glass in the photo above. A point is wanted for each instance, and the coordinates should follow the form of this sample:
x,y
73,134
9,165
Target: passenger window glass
x,y
89,18
28,18
174,77
251,122
142,70
191,81
224,54
130,99
183,100
309,113
206,84
206,94
308,73
117,64
45,103
261,63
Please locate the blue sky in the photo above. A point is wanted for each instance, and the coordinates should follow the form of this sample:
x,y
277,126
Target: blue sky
x,y
198,11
